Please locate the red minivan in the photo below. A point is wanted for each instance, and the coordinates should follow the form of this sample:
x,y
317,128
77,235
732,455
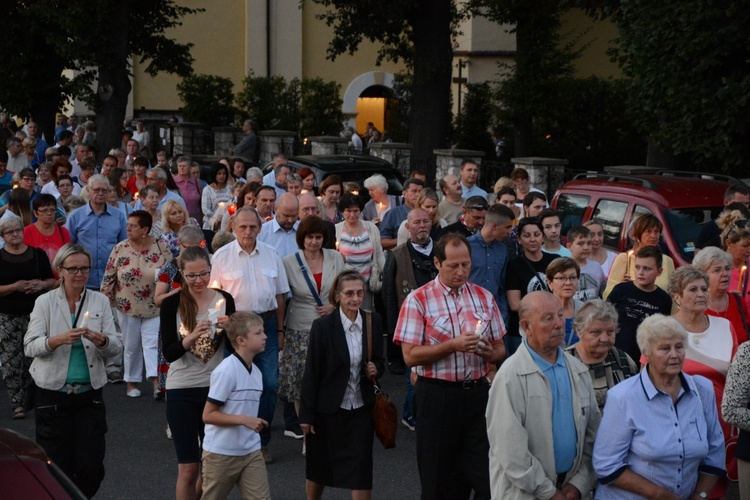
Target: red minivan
x,y
682,201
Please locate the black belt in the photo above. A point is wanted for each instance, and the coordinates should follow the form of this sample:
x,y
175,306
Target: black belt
x,y
268,314
561,480
466,384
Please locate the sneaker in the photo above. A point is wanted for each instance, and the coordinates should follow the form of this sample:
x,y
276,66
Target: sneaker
x,y
115,378
410,423
294,432
134,393
267,457
169,432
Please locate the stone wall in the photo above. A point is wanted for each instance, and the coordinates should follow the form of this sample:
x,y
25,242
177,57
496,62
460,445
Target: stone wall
x,y
449,161
275,141
398,154
189,139
329,145
224,138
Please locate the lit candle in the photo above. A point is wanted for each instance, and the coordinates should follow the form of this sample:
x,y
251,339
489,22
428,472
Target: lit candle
x,y
481,345
742,278
232,209
222,204
137,195
215,285
355,193
85,320
630,254
213,316
478,329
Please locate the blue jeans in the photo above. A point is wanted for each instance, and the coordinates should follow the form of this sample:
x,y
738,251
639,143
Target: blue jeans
x,y
268,364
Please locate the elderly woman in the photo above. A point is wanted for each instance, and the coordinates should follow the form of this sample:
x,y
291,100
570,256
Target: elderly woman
x,y
735,409
174,216
129,281
428,201
660,435
149,197
45,234
24,275
217,192
645,231
717,264
193,348
70,336
337,392
601,255
359,243
310,273
563,274
331,190
596,324
735,238
294,184
712,341
380,201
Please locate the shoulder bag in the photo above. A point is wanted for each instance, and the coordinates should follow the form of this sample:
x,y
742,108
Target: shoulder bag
x,y
384,413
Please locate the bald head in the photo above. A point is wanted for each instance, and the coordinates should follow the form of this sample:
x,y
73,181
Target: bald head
x,y
287,211
418,224
308,205
541,317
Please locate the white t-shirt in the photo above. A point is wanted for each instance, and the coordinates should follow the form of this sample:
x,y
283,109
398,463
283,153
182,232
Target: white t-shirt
x,y
236,387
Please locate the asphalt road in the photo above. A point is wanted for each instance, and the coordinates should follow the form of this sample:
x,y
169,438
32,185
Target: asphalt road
x,y
141,463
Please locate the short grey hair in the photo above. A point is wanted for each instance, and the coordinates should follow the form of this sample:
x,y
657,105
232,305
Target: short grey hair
x,y
710,255
161,173
183,159
68,250
98,179
10,222
658,327
376,181
253,173
593,310
682,276
190,235
294,178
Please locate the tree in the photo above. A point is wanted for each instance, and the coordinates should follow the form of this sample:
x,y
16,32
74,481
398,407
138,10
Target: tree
x,y
96,39
207,99
320,108
473,124
270,101
686,63
418,32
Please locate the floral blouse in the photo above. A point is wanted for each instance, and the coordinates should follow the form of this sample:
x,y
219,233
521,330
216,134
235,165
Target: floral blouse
x,y
130,278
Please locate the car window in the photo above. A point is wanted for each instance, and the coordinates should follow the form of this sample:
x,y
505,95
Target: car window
x,y
685,225
640,210
572,207
610,214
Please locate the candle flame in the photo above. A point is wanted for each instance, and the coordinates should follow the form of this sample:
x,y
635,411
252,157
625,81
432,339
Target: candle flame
x,y
219,304
86,315
215,284
337,245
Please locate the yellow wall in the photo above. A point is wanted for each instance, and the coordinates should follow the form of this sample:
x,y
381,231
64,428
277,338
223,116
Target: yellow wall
x,y
370,109
598,35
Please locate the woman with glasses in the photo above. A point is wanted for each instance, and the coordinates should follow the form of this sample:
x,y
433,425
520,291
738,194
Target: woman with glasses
x,y
24,274
563,274
735,238
129,281
65,188
722,301
194,346
45,233
644,231
60,167
337,392
70,336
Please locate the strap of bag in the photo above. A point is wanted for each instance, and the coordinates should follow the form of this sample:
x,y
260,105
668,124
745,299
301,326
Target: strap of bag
x,y
309,283
542,279
741,307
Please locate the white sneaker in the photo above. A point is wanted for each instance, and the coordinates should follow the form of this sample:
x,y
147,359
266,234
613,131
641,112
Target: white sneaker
x,y
169,432
304,449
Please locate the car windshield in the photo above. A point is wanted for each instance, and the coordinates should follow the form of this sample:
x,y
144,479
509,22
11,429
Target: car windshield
x,y
685,225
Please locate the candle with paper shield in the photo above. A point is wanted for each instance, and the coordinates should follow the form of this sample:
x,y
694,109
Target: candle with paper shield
x,y
84,320
213,316
481,345
740,282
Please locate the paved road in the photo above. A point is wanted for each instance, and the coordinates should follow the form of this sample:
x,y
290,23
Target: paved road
x,y
141,462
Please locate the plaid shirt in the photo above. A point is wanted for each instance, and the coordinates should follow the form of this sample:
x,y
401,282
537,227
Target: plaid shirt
x,y
434,313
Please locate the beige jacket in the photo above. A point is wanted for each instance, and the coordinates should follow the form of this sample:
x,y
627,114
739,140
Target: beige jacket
x,y
519,427
50,317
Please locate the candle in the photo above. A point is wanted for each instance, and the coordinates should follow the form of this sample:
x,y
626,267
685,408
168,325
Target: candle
x,y
355,193
15,186
232,209
213,316
85,320
216,285
137,195
481,344
222,204
478,329
630,254
742,278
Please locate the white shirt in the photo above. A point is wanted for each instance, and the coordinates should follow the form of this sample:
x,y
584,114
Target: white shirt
x,y
253,279
353,332
285,243
50,188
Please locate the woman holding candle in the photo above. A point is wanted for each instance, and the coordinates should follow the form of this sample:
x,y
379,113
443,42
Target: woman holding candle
x,y
70,336
645,231
735,238
711,342
119,180
129,281
244,195
139,180
193,347
25,274
380,201
216,192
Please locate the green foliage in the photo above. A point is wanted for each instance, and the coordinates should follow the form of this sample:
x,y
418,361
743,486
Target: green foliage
x,y
473,124
207,99
399,108
320,108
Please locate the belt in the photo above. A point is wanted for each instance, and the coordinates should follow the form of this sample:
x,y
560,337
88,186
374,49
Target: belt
x,y
466,384
268,314
561,480
75,388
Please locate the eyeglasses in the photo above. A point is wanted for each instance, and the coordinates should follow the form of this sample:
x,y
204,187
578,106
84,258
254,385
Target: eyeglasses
x,y
565,279
352,293
192,277
29,179
46,211
64,186
12,231
77,270
100,190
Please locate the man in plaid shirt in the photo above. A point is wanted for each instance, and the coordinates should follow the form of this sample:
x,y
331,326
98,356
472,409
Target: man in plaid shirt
x,y
452,332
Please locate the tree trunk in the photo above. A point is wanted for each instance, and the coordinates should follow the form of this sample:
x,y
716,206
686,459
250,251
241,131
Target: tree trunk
x,y
522,120
114,84
429,123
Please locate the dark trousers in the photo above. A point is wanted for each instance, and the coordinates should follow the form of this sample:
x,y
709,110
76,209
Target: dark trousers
x,y
452,445
268,364
71,429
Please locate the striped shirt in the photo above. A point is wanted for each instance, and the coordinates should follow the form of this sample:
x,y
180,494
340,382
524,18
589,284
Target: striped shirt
x,y
434,313
357,251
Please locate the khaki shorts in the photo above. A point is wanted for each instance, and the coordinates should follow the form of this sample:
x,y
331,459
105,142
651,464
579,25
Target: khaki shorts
x,y
222,472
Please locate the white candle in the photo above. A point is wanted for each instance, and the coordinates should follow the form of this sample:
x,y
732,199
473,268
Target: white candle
x,y
478,329
213,316
85,320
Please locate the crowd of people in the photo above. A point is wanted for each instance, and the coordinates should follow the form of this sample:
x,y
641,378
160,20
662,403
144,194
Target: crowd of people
x,y
533,368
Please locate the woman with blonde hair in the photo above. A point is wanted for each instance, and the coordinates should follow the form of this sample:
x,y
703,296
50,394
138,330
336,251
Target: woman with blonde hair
x,y
174,216
735,239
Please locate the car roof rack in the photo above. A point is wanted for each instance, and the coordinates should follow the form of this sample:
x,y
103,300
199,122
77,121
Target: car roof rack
x,y
617,178
698,175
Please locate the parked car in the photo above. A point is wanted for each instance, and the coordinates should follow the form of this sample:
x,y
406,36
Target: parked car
x,y
351,168
26,472
682,201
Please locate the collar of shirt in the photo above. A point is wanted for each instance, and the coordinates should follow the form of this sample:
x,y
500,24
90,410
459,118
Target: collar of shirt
x,y
478,238
449,291
276,227
650,389
425,249
348,324
542,363
239,250
108,209
249,367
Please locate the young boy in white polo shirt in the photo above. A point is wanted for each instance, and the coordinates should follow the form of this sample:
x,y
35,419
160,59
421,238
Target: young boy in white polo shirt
x,y
231,447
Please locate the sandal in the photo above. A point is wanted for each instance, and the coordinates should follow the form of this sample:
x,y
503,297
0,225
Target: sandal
x,y
18,413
